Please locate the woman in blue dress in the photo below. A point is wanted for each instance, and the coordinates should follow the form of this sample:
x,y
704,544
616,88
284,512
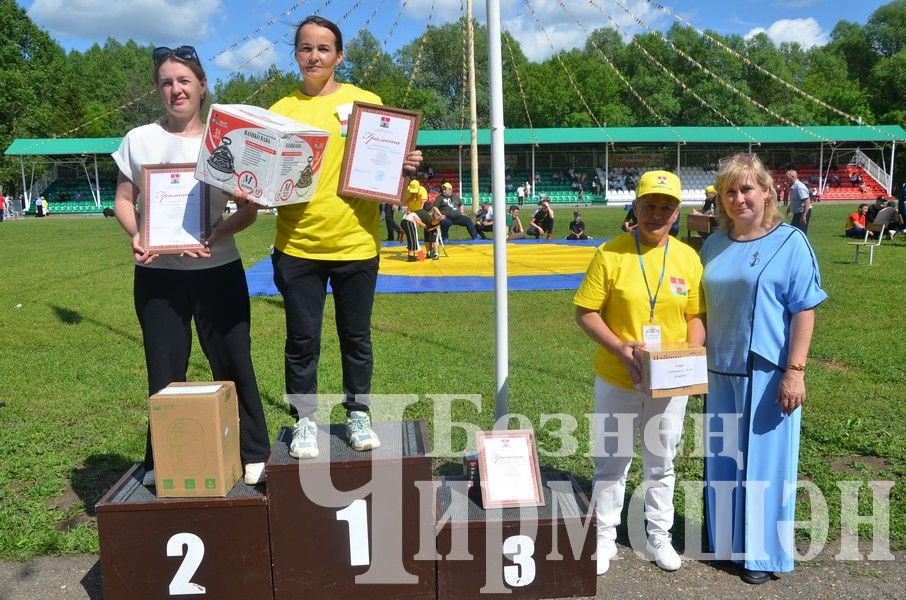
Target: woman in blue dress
x,y
761,285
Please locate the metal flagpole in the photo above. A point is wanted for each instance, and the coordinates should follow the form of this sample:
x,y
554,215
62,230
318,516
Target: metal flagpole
x,y
495,81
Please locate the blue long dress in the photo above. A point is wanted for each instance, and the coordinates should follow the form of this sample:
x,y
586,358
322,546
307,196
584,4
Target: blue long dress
x,y
752,290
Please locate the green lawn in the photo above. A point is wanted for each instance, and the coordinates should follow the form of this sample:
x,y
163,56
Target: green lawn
x,y
72,379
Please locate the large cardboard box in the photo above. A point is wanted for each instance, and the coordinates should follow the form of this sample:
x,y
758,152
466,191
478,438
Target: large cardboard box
x,y
674,370
274,158
195,439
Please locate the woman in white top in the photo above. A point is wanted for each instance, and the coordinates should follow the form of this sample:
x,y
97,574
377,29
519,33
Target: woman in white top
x,y
208,286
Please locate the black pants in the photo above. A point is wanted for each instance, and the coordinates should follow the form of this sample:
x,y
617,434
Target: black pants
x,y
303,283
457,219
393,229
800,223
166,301
411,230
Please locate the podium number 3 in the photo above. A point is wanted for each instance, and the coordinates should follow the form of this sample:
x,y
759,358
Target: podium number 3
x,y
519,549
356,515
181,585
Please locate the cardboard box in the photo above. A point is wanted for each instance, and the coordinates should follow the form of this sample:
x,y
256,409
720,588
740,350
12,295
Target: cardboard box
x,y
674,370
274,158
195,439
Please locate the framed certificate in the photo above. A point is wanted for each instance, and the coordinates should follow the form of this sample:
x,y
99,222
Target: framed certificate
x,y
174,209
508,462
377,141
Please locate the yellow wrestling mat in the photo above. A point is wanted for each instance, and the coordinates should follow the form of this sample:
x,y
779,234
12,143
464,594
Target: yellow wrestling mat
x,y
468,267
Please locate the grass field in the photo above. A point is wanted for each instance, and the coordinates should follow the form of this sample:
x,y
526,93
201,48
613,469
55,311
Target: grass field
x,y
72,380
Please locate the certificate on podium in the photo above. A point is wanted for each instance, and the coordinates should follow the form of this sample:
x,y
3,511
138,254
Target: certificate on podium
x,y
508,462
377,142
175,209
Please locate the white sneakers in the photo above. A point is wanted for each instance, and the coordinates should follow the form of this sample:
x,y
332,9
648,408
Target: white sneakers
x,y
605,551
254,473
661,552
305,439
658,548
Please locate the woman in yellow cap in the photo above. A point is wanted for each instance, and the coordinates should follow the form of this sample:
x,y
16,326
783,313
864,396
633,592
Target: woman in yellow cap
x,y
641,285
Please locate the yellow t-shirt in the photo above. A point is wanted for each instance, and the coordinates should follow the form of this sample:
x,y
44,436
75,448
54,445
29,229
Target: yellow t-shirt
x,y
613,286
417,200
329,227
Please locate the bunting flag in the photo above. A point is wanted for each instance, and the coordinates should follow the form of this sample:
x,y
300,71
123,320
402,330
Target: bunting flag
x,y
422,42
528,116
750,63
569,74
669,73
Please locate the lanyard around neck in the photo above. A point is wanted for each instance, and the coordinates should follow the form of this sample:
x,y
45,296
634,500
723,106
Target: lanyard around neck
x,y
652,300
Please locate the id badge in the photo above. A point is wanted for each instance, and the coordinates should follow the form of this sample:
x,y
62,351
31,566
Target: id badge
x,y
651,335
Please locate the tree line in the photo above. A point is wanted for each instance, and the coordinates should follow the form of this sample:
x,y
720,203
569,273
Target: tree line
x,y
106,90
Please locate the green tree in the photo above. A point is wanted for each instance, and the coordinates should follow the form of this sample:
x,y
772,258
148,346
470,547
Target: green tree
x,y
850,41
886,28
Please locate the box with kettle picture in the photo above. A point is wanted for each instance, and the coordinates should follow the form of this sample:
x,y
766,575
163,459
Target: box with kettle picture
x,y
275,159
195,439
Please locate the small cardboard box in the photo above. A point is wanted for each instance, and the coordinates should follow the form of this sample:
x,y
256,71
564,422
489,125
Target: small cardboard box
x,y
674,370
195,439
274,158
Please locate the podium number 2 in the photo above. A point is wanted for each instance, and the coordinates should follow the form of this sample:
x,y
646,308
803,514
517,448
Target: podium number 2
x,y
181,585
356,515
519,549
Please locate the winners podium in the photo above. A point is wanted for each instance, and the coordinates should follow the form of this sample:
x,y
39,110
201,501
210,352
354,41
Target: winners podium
x,y
534,552
323,543
154,548
373,523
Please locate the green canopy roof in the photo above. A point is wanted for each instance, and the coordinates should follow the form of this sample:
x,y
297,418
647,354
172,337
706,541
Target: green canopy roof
x,y
62,146
663,135
567,135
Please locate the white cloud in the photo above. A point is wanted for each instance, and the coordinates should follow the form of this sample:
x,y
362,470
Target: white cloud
x,y
558,29
146,21
254,56
805,31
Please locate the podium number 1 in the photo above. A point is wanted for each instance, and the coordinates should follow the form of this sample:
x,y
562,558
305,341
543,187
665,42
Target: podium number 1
x,y
181,584
519,549
356,515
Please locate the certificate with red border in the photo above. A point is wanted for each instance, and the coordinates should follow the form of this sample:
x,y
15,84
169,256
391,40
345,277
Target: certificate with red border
x,y
377,141
175,209
508,463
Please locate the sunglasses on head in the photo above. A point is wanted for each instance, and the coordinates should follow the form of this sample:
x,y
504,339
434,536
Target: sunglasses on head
x,y
746,157
162,53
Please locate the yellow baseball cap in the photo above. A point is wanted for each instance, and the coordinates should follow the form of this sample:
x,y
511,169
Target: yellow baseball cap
x,y
414,186
711,189
447,186
660,182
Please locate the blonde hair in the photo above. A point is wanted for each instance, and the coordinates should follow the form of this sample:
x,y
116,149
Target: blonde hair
x,y
736,169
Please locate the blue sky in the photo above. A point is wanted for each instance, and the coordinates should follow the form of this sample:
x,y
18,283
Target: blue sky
x,y
249,35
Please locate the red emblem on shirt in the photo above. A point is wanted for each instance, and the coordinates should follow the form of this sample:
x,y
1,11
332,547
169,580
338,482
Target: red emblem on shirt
x,y
678,286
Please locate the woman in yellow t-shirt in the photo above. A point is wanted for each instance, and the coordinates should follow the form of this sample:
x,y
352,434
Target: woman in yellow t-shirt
x,y
330,238
642,278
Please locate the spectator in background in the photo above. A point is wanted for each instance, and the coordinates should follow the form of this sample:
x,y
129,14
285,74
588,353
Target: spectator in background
x,y
630,221
451,208
890,218
2,207
520,194
901,205
484,220
708,206
514,228
393,230
800,201
855,223
875,208
542,221
577,228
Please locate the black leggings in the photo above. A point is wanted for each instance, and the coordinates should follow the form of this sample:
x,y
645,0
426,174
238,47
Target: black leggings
x,y
166,302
